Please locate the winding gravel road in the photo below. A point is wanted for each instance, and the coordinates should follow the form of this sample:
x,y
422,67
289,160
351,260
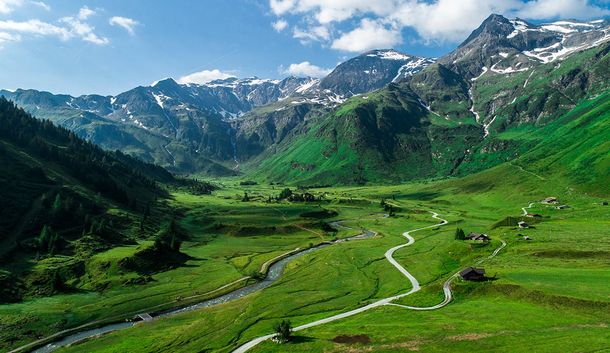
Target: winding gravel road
x,y
526,208
389,256
415,286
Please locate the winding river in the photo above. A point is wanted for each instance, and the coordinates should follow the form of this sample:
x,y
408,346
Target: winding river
x,y
274,272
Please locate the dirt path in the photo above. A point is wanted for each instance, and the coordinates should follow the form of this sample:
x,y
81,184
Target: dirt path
x,y
526,171
415,286
524,209
390,257
447,285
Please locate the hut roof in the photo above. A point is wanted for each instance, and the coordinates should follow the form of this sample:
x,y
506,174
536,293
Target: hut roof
x,y
471,270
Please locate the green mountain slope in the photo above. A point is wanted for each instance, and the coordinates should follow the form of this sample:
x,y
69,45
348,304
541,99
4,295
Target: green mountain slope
x,y
64,199
576,147
372,138
392,135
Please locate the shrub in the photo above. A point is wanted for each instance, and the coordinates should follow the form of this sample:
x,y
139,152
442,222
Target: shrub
x,y
286,193
283,330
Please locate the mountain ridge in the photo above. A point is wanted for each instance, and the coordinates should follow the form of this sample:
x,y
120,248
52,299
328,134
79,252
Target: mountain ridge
x,y
189,127
220,126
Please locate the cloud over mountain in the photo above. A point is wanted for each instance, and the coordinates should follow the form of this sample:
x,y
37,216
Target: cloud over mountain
x,y
357,25
204,76
305,68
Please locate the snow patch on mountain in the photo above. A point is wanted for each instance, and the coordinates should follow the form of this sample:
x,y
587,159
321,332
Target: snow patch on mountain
x,y
560,50
307,85
507,70
255,81
160,98
412,67
484,70
559,27
519,26
566,37
389,55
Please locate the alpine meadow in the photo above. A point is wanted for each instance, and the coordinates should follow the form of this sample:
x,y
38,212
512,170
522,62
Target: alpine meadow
x,y
414,175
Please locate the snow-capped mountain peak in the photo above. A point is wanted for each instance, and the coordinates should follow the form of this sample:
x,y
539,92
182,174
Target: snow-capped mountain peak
x,y
372,70
507,46
388,54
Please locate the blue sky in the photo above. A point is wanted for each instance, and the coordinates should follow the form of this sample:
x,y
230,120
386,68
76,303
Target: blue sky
x,y
110,46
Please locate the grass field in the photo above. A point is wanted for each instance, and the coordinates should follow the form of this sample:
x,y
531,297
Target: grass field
x,y
551,293
250,235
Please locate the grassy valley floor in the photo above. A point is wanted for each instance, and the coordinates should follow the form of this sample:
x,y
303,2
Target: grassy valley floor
x,y
551,293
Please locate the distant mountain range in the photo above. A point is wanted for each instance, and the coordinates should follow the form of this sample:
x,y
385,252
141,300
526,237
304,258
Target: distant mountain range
x,y
186,127
371,118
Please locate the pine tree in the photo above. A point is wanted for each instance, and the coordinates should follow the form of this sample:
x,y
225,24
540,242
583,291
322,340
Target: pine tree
x,y
44,237
169,238
286,193
56,282
175,243
459,234
47,240
145,216
147,211
57,204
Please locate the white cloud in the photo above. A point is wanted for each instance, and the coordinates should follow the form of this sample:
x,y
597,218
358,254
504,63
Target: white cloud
x,y
579,9
370,35
280,7
280,25
126,23
305,69
42,5
433,20
8,37
80,29
447,20
85,12
452,21
67,28
35,27
311,34
204,76
326,11
8,6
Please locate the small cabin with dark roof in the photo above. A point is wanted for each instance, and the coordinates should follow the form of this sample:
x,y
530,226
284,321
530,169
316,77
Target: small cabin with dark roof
x,y
550,200
522,224
562,207
473,274
478,237
533,215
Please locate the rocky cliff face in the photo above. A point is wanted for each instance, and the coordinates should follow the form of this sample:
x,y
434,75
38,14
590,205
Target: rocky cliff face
x,y
508,76
506,46
371,71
